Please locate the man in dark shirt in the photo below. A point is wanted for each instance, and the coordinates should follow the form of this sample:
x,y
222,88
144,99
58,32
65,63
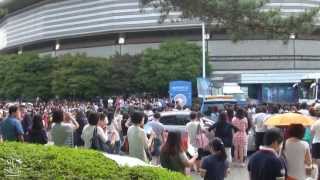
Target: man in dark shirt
x,y
26,121
265,163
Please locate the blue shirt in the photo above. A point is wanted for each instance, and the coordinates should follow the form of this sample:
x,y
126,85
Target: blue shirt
x,y
11,128
265,165
216,168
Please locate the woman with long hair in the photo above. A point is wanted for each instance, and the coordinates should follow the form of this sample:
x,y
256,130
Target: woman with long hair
x,y
240,139
172,155
215,166
37,133
224,130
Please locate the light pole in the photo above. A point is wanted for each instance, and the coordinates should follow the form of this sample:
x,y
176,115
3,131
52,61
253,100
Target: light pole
x,y
207,37
121,41
203,50
293,37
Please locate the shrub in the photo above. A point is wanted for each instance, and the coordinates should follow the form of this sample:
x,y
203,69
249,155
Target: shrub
x,y
27,161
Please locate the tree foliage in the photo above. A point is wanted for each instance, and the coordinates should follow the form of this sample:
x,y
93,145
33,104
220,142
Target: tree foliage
x,y
78,76
25,76
174,60
28,76
240,18
123,71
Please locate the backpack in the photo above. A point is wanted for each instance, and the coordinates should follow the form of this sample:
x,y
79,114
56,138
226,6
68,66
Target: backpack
x,y
202,140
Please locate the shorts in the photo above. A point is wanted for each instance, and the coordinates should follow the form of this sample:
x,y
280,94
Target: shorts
x,y
315,151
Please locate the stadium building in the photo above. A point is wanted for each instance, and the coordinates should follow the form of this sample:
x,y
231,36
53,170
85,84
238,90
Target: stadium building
x,y
267,69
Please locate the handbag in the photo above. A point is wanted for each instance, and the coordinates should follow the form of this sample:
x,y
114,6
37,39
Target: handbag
x,y
312,171
96,142
202,140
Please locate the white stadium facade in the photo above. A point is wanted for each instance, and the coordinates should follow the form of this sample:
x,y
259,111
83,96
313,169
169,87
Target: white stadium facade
x,y
102,28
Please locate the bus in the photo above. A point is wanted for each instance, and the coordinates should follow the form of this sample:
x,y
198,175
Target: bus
x,y
309,91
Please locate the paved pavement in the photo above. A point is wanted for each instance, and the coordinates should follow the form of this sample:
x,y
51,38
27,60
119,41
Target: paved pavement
x,y
236,173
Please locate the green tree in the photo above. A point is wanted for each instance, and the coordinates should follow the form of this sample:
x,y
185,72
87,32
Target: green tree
x,y
240,18
174,60
78,76
25,76
122,71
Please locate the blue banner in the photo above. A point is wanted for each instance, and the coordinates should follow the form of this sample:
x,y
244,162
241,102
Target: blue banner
x,y
181,91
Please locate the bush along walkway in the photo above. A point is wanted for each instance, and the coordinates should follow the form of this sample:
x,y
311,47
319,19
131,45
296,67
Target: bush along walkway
x,y
27,161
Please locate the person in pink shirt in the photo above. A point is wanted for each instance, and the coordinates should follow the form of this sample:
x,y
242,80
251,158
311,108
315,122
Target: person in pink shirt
x,y
240,139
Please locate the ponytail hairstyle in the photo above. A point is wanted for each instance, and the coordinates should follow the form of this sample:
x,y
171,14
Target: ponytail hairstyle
x,y
218,147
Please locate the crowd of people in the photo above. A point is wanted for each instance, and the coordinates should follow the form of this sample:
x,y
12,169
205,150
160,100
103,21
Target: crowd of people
x,y
131,126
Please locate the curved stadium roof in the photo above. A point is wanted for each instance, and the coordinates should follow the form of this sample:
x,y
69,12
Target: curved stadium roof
x,y
41,20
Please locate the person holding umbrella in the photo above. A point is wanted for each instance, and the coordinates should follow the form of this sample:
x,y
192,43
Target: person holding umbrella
x,y
296,152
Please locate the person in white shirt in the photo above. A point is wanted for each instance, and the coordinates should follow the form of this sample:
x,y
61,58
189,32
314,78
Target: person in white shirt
x,y
138,141
315,131
297,152
88,130
260,128
192,128
61,133
110,102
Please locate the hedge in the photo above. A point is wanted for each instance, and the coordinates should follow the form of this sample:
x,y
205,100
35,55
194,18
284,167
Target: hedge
x,y
28,161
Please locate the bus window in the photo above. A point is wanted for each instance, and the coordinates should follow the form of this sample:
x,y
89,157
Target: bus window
x,y
306,91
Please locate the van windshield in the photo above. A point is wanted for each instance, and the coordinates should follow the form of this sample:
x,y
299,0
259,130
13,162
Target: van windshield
x,y
207,106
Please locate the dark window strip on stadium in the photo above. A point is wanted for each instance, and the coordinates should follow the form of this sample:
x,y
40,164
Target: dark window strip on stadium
x,y
119,29
260,58
262,69
150,36
295,1
215,35
77,35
